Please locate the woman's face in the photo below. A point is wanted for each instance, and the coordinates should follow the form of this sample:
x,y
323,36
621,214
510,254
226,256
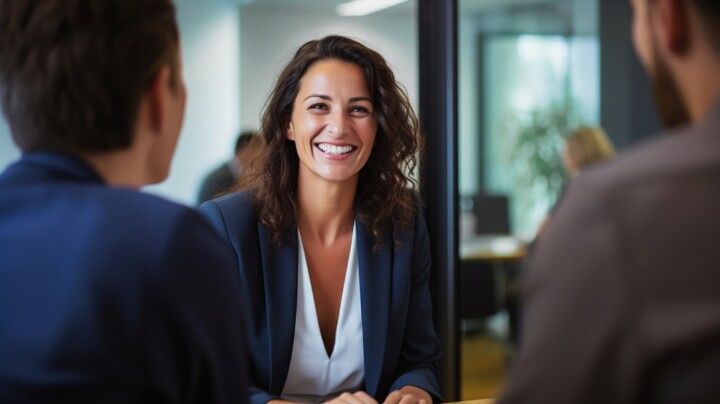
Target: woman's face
x,y
333,123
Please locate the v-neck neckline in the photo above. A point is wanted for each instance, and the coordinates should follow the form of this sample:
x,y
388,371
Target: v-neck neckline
x,y
350,273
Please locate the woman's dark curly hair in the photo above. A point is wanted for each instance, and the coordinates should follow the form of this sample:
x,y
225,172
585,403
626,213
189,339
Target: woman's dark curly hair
x,y
383,199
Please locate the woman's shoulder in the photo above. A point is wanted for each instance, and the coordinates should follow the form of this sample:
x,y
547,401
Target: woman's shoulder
x,y
235,208
414,225
417,199
417,206
242,199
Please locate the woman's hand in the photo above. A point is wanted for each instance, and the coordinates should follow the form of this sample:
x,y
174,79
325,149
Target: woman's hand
x,y
358,397
409,395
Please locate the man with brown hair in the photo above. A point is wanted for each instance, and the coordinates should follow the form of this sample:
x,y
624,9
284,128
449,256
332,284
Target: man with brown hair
x,y
106,294
622,297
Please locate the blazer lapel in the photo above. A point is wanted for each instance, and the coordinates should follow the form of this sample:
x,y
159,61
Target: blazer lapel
x,y
280,272
375,279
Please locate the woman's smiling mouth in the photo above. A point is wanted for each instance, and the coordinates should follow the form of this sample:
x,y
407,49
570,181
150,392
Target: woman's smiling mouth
x,y
334,150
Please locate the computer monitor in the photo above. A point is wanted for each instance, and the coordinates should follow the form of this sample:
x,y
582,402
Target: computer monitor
x,y
491,214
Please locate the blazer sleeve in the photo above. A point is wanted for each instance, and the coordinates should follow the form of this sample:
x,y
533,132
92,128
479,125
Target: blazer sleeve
x,y
420,354
194,347
211,210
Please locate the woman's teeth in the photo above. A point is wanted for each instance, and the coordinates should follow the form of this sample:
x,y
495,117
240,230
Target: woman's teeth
x,y
332,149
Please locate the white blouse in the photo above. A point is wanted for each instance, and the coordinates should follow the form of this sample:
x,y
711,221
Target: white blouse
x,y
313,376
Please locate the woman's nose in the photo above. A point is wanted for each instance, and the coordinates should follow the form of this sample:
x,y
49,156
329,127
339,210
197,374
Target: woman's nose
x,y
337,123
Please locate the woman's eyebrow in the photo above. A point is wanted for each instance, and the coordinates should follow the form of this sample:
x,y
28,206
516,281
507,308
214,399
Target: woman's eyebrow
x,y
323,96
356,99
328,98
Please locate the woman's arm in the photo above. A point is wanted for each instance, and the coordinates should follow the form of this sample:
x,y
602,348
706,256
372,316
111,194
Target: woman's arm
x,y
213,212
418,366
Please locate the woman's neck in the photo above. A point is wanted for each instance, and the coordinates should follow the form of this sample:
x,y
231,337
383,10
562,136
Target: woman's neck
x,y
326,210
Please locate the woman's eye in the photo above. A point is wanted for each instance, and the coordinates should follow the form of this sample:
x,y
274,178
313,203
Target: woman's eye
x,y
318,106
359,111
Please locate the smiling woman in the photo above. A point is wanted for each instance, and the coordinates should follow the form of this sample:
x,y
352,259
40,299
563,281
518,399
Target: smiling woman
x,y
382,198
331,244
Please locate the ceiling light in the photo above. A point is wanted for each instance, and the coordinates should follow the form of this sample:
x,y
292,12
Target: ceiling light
x,y
364,7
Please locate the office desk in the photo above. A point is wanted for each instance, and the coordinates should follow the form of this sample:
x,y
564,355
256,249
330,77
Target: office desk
x,y
486,401
493,248
489,271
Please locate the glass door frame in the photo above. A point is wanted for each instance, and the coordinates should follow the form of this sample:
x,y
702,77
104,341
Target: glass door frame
x,y
438,95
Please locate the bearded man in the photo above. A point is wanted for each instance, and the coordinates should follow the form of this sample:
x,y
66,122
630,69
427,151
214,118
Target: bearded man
x,y
622,297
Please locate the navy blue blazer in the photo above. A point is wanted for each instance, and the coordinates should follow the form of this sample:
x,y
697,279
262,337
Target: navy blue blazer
x,y
108,295
400,344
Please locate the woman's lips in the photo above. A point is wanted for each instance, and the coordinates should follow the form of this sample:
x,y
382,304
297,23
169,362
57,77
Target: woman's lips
x,y
335,152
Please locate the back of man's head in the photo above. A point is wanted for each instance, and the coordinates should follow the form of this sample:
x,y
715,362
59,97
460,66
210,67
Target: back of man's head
x,y
72,72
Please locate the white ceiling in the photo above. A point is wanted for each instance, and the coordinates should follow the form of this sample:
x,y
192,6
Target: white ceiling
x,y
320,6
465,6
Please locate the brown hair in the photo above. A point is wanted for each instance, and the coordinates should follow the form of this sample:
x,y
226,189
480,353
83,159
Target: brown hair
x,y
72,72
383,200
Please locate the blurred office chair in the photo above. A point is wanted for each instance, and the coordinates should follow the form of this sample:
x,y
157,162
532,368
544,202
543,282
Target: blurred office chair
x,y
480,292
482,282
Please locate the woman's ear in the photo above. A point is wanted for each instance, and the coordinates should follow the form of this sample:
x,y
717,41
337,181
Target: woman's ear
x,y
290,131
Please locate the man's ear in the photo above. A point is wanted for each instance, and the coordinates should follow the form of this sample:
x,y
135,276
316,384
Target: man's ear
x,y
158,95
675,25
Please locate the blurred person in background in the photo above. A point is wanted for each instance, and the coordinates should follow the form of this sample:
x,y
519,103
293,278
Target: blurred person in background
x,y
330,240
107,295
622,297
585,147
223,178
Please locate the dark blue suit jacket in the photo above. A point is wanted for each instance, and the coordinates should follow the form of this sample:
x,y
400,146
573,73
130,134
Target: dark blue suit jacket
x,y
108,295
400,344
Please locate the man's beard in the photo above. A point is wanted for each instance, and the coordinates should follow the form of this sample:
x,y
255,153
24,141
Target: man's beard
x,y
668,99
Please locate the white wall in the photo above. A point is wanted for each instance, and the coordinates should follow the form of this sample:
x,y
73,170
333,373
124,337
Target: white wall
x,y
468,94
270,37
210,35
8,151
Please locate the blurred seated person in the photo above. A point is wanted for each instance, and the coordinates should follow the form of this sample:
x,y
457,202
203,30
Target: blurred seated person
x,y
585,147
223,178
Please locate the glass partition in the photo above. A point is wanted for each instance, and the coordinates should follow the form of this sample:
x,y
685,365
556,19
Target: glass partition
x,y
528,75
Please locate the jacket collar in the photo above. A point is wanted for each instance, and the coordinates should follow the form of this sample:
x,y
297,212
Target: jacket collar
x,y
280,272
54,164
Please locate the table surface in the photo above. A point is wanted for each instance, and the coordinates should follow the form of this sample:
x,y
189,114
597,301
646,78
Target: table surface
x,y
485,401
492,248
